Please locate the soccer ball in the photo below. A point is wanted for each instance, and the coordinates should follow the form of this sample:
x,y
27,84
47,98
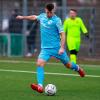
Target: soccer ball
x,y
50,90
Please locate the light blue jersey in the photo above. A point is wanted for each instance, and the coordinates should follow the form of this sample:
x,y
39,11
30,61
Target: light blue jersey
x,y
50,44
50,30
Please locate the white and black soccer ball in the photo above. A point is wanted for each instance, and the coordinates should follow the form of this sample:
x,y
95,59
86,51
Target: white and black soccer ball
x,y
50,90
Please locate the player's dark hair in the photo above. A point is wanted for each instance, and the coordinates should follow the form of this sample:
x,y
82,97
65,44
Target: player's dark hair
x,y
50,7
73,10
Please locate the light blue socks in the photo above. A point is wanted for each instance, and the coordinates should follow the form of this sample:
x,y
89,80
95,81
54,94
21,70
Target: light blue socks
x,y
74,66
40,75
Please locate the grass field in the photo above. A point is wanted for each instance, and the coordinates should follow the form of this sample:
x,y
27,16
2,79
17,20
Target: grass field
x,y
16,77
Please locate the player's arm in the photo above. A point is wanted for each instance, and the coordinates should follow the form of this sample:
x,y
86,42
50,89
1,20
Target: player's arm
x,y
31,17
62,48
62,34
65,26
83,27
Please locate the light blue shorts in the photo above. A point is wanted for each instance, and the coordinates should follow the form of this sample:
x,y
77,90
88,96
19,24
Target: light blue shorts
x,y
47,53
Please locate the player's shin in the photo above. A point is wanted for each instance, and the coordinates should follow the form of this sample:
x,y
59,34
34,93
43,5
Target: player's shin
x,y
74,66
40,75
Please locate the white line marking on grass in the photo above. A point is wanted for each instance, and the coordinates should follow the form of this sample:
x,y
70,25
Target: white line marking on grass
x,y
30,62
48,73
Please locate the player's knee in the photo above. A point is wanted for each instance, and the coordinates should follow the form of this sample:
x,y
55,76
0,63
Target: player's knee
x,y
40,62
68,65
73,52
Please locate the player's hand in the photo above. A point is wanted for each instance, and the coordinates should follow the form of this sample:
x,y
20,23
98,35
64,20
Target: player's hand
x,y
87,36
61,51
19,17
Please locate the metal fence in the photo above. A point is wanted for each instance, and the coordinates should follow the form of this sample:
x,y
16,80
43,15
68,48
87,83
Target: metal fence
x,y
18,38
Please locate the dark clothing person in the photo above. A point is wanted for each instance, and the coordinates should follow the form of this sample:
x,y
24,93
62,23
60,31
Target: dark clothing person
x,y
15,25
31,38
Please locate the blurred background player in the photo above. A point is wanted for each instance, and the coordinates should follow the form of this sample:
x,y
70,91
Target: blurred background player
x,y
13,23
73,26
51,45
31,38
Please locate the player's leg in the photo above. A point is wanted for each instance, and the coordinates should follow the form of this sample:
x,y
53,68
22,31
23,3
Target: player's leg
x,y
42,59
73,55
74,52
65,60
76,68
40,71
73,46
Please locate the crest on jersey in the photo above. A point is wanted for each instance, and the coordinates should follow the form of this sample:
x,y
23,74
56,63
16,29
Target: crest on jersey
x,y
50,22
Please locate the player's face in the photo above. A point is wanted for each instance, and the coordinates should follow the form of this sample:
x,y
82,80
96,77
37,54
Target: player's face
x,y
72,14
49,13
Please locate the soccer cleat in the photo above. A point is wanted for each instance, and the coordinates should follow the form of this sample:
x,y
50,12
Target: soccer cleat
x,y
81,72
38,88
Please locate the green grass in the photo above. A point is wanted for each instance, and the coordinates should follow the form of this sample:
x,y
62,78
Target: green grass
x,y
16,85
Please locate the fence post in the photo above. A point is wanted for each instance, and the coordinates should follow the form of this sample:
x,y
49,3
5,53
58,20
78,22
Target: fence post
x,y
92,33
25,11
9,45
64,9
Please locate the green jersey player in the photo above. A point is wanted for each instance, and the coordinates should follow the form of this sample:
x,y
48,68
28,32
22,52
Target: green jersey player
x,y
73,26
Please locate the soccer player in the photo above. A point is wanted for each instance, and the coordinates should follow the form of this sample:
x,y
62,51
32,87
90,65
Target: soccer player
x,y
73,26
51,45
